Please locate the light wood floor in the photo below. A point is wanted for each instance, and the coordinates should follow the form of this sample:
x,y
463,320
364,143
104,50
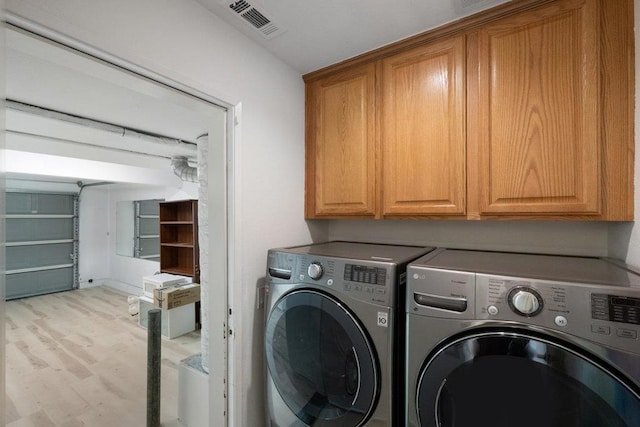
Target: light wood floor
x,y
79,359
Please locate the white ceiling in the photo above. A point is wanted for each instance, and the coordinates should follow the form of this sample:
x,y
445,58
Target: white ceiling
x,y
42,74
322,32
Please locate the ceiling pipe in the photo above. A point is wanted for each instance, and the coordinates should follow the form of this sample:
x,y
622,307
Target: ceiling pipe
x,y
82,185
96,124
83,143
181,168
180,164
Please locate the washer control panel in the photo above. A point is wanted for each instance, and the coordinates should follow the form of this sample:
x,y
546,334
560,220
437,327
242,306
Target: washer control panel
x,y
533,301
592,299
582,310
365,274
578,309
362,280
615,308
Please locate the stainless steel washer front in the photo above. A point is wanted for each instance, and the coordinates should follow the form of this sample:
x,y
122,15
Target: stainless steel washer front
x,y
331,336
506,339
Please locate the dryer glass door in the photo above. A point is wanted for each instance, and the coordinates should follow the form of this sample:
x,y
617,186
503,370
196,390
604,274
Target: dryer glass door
x,y
518,379
321,360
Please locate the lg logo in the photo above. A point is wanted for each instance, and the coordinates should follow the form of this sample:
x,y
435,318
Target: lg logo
x,y
417,276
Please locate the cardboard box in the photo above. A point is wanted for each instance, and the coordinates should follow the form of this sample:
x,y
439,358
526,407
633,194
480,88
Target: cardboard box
x,y
176,296
163,280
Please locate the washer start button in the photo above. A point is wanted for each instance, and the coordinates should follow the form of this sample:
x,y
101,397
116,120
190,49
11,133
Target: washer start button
x,y
561,321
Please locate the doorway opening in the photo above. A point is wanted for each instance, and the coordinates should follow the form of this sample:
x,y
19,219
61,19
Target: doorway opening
x,y
49,71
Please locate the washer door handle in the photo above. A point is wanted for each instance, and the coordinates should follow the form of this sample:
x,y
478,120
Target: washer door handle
x,y
457,304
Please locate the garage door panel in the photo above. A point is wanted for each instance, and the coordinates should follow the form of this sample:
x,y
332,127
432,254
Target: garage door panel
x,y
39,282
53,204
38,229
19,257
41,243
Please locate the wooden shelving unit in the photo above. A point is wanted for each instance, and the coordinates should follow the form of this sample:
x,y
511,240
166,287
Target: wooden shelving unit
x,y
179,252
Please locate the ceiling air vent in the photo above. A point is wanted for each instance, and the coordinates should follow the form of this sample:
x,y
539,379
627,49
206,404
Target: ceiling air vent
x,y
258,20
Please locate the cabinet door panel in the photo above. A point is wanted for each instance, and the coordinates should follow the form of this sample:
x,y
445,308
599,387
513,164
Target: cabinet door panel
x,y
539,127
423,130
343,144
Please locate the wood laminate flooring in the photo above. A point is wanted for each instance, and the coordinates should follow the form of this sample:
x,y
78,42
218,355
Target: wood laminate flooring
x,y
78,358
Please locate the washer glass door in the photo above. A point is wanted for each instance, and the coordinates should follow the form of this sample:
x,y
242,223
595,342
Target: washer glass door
x,y
321,360
504,379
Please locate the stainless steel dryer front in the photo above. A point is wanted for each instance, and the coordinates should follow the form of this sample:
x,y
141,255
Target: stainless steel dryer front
x,y
331,339
504,339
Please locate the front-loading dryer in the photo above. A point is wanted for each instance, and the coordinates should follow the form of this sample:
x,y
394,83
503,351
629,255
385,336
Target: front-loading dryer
x,y
505,339
333,334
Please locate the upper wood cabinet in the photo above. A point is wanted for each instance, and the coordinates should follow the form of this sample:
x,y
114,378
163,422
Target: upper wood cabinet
x,y
423,130
525,111
539,118
341,144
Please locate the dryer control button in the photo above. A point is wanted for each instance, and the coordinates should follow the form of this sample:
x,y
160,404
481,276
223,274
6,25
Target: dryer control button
x,y
330,283
315,270
599,329
492,310
561,321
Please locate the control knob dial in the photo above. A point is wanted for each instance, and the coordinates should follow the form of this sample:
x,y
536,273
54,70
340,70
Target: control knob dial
x,y
525,301
315,270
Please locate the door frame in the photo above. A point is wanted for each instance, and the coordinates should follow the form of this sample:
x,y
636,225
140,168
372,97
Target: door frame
x,y
223,179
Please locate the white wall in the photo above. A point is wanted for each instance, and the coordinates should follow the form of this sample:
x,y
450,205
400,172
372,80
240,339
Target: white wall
x,y
93,239
624,238
183,41
570,238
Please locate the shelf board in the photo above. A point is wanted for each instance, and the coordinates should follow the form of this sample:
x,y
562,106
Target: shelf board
x,y
176,222
177,245
181,271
